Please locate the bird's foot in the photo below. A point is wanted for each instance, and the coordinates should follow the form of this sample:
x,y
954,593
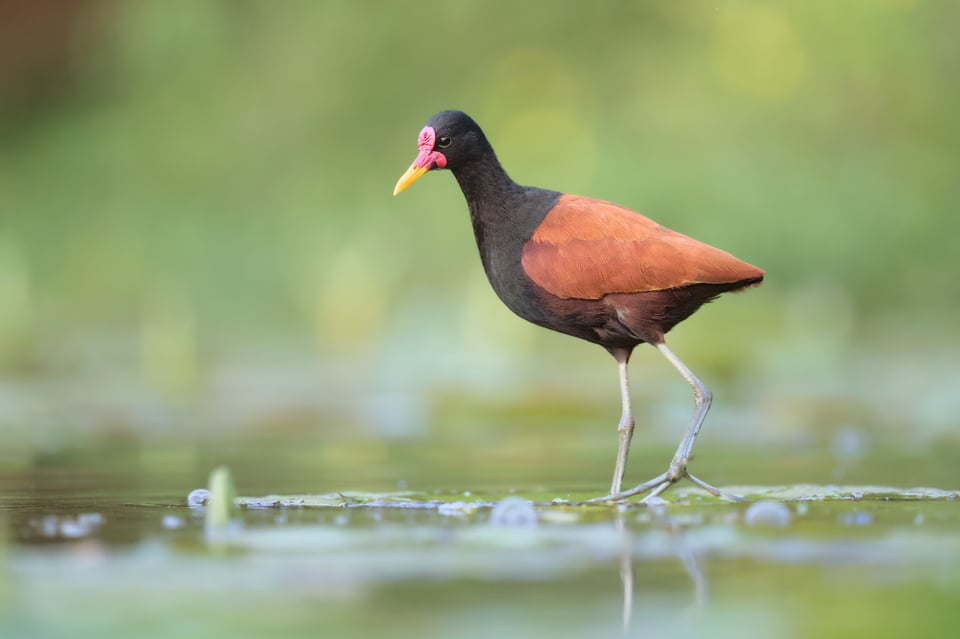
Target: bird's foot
x,y
660,483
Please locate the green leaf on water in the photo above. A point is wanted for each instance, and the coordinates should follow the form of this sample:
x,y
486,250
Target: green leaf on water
x,y
810,492
330,500
682,494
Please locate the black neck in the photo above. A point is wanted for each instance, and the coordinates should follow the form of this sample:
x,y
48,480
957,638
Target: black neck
x,y
498,204
504,216
487,188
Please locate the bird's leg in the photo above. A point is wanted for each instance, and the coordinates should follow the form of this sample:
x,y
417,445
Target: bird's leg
x,y
625,427
703,398
678,465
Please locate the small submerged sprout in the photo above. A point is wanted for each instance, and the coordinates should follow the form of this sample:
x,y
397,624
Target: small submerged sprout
x,y
221,519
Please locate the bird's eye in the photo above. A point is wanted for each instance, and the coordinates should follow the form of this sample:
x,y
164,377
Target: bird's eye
x,y
443,142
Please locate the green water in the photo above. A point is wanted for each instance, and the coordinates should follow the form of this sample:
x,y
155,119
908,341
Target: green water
x,y
102,543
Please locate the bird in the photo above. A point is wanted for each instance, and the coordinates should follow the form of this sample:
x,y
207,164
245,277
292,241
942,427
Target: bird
x,y
587,268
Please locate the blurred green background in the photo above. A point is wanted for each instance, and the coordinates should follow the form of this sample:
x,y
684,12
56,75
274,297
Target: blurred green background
x,y
198,241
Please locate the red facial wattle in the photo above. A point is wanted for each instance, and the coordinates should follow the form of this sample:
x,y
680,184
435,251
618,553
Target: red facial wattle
x,y
427,159
427,156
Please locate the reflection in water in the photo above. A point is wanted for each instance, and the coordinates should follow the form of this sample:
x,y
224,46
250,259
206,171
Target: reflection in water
x,y
447,563
686,554
626,569
689,559
60,526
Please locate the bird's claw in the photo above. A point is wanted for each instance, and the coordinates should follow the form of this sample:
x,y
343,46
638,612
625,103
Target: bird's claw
x,y
661,483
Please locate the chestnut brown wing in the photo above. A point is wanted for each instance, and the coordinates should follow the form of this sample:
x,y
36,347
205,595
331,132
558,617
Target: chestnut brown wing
x,y
587,248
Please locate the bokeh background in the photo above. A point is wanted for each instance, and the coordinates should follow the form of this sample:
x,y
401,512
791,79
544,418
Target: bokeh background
x,y
200,257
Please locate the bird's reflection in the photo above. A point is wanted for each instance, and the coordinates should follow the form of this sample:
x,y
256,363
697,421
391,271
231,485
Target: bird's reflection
x,y
685,553
626,571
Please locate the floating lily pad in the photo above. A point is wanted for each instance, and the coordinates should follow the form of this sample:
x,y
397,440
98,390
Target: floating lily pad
x,y
681,495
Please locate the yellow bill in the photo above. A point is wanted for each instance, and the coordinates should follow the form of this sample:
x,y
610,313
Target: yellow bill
x,y
410,176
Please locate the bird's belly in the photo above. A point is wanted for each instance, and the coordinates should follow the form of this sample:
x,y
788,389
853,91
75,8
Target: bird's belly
x,y
614,321
595,321
591,320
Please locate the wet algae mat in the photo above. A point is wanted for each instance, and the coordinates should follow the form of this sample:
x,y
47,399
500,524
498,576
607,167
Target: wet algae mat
x,y
798,561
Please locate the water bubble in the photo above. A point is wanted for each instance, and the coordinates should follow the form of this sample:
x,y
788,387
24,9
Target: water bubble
x,y
198,497
514,511
67,527
767,512
49,526
72,529
90,519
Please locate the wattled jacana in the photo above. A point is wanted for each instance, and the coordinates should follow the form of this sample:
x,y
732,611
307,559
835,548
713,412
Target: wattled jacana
x,y
584,267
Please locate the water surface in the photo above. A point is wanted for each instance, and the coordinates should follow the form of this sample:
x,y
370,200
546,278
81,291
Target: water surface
x,y
103,543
